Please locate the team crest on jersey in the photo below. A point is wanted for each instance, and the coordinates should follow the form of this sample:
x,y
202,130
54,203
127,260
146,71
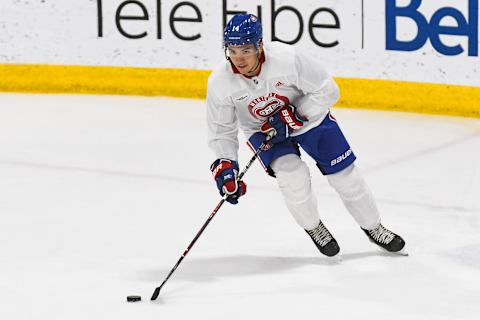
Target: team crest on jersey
x,y
263,107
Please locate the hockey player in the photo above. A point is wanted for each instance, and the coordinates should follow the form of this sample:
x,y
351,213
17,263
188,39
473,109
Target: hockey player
x,y
275,89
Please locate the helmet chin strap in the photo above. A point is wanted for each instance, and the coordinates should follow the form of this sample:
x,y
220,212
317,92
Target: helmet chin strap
x,y
226,55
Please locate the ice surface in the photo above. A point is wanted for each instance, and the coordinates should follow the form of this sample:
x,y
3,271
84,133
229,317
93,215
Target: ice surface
x,y
100,195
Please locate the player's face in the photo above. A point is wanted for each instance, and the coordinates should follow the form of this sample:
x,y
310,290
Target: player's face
x,y
245,58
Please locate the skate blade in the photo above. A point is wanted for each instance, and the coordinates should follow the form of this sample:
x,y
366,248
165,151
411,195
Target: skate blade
x,y
336,259
402,252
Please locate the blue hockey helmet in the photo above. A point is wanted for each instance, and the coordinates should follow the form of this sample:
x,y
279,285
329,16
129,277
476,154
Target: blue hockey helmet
x,y
243,29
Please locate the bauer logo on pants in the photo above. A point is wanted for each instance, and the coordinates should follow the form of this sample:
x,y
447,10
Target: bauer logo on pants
x,y
341,158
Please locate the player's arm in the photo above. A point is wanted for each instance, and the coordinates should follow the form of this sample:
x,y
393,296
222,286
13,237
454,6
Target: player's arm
x,y
222,126
314,81
223,140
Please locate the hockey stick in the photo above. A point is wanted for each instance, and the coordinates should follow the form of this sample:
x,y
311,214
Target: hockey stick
x,y
214,212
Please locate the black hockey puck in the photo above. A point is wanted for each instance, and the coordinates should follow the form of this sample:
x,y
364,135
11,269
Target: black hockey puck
x,y
134,298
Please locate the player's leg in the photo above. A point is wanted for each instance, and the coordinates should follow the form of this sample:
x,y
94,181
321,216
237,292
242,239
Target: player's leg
x,y
359,201
356,196
294,181
335,159
293,177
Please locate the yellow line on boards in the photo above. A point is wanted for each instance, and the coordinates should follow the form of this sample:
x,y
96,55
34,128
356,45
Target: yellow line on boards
x,y
355,93
103,80
410,96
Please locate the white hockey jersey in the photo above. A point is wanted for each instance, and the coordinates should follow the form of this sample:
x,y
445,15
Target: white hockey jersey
x,y
287,76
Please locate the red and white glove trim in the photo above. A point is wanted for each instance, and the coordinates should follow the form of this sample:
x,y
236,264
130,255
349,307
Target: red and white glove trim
x,y
230,187
224,164
225,171
290,117
268,129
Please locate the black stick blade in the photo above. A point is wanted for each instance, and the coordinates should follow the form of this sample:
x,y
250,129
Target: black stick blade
x,y
155,294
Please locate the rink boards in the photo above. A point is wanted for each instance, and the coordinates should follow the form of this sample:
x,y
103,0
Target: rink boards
x,y
407,55
356,93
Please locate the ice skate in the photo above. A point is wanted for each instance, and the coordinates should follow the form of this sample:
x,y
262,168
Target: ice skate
x,y
386,240
324,240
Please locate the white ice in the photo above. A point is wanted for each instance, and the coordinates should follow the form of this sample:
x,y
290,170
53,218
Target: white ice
x,y
100,195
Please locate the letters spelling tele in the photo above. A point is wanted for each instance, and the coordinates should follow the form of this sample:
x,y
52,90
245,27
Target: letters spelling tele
x,y
177,21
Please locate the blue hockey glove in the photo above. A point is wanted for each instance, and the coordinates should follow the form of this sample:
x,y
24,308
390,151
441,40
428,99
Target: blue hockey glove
x,y
282,123
225,173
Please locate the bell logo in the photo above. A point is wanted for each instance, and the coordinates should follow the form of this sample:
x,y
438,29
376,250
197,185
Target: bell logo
x,y
433,29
